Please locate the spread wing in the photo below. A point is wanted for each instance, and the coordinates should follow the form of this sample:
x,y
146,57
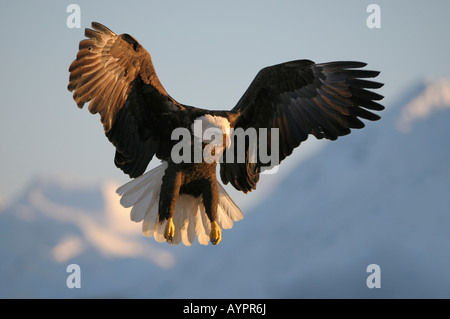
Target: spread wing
x,y
116,75
301,98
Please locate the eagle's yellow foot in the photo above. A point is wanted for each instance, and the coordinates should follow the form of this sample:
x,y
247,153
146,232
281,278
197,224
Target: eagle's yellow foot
x,y
216,233
169,231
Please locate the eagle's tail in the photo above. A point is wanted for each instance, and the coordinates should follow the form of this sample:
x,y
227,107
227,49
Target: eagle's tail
x,y
190,218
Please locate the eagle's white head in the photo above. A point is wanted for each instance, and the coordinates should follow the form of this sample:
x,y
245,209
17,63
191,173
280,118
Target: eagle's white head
x,y
212,129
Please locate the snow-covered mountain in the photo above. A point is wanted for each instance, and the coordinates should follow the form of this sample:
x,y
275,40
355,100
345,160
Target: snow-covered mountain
x,y
54,224
378,196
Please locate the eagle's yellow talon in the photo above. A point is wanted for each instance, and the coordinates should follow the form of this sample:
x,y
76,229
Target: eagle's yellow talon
x,y
169,231
216,233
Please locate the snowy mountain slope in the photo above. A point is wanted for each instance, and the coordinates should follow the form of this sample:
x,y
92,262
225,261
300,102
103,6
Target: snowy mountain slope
x,y
379,195
54,224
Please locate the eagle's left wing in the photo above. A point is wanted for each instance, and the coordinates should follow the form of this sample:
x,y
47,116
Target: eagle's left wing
x,y
301,98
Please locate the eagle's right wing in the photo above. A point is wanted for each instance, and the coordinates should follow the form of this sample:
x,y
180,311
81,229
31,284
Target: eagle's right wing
x,y
116,75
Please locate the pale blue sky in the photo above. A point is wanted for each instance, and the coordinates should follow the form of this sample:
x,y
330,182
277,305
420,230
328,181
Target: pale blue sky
x,y
205,53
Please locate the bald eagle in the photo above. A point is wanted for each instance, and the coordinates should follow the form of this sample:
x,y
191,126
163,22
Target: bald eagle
x,y
179,200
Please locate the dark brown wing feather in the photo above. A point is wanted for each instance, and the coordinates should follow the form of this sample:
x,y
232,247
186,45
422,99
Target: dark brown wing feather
x,y
116,75
302,98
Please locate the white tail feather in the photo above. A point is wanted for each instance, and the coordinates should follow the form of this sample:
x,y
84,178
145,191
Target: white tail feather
x,y
190,219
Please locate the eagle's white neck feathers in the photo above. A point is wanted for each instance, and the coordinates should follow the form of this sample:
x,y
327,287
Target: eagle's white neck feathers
x,y
213,122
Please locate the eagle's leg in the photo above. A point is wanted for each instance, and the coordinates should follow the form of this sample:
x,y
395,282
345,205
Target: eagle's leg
x,y
170,189
216,234
211,200
169,231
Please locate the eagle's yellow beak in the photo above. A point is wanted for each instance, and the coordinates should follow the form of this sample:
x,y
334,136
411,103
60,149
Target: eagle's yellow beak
x,y
227,140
